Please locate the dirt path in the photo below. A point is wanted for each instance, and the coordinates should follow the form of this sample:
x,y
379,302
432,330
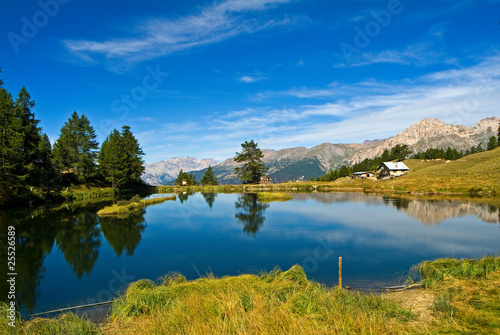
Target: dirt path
x,y
418,301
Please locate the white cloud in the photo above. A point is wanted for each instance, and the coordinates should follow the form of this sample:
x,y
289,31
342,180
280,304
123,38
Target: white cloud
x,y
352,114
159,37
248,79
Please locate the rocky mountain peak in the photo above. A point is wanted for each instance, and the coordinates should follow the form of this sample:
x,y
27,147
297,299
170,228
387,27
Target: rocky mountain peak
x,y
293,163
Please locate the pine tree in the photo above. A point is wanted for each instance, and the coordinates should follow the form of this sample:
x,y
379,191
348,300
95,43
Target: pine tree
x,y
120,158
132,164
209,177
10,141
45,175
498,135
492,143
76,148
32,159
110,158
189,177
253,167
24,150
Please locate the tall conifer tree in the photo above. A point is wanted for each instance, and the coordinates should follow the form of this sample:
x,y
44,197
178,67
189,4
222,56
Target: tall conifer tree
x,y
76,148
209,177
253,166
132,161
10,140
120,158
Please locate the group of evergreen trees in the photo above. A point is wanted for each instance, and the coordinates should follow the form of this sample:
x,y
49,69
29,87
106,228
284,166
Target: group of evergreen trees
x,y
31,169
25,152
208,178
494,142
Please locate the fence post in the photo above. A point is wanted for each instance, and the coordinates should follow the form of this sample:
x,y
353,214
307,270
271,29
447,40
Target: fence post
x,y
340,271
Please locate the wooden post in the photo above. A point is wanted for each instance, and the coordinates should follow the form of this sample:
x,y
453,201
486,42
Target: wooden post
x,y
340,271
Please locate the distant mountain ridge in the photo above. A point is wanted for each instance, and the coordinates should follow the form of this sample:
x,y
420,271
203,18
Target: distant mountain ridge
x,y
165,172
294,163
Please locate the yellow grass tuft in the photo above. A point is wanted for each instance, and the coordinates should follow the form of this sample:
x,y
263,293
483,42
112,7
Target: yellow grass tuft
x,y
273,196
129,207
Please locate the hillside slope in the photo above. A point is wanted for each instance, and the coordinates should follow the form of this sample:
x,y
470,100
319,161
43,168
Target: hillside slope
x,y
479,172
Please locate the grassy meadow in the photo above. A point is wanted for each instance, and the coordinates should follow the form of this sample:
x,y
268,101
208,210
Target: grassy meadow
x,y
477,174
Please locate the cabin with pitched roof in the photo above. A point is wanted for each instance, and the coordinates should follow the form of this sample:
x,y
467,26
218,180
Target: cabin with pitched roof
x,y
264,180
392,169
362,175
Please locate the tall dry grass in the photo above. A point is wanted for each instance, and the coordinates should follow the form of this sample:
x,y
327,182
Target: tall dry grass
x,y
271,303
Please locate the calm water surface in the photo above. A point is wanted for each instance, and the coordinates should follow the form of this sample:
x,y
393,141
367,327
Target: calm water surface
x,y
70,256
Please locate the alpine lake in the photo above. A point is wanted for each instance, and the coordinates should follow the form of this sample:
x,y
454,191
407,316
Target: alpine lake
x,y
69,256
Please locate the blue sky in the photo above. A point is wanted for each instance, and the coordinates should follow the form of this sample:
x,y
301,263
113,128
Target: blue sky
x,y
197,78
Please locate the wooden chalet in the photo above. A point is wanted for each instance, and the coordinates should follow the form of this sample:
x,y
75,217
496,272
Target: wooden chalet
x,y
392,169
264,180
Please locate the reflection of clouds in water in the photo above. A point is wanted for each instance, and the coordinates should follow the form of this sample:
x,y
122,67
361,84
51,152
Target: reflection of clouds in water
x,y
368,220
429,211
382,226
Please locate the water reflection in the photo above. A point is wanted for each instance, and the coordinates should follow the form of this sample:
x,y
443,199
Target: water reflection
x,y
250,213
71,227
79,240
184,196
34,243
75,230
425,210
124,233
209,198
379,236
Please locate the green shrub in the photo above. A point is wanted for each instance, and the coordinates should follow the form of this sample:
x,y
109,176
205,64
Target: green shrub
x,y
123,202
136,198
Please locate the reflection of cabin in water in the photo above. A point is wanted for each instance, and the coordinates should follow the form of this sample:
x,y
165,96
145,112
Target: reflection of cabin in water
x,y
266,180
392,169
361,175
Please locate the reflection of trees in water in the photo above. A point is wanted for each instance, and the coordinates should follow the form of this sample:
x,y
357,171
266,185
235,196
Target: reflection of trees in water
x,y
184,196
36,231
33,244
124,233
79,240
251,213
209,198
75,230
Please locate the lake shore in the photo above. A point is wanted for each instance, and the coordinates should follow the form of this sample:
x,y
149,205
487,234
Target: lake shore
x,y
457,296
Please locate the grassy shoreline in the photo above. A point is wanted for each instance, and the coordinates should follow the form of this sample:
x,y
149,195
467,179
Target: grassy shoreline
x,y
128,207
462,296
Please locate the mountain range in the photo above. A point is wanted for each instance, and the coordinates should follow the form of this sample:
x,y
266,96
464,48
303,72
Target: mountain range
x,y
165,172
304,163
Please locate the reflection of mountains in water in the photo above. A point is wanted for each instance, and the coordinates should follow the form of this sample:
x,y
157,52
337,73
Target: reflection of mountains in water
x,y
424,210
433,212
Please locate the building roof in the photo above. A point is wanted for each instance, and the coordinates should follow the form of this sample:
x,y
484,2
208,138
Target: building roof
x,y
395,166
360,173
